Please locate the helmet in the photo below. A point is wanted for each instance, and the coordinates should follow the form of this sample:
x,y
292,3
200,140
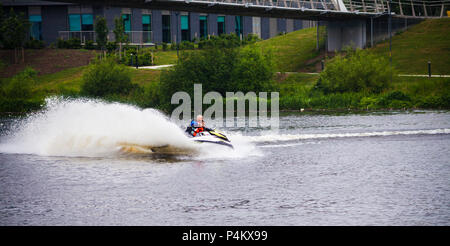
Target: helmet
x,y
194,123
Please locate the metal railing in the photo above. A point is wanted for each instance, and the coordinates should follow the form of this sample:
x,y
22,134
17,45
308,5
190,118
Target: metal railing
x,y
133,37
432,8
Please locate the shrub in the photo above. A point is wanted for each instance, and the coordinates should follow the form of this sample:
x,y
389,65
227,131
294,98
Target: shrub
x,y
144,57
223,41
111,47
62,44
394,99
253,70
359,71
19,87
89,45
74,43
34,44
218,69
186,45
164,46
250,39
16,94
106,77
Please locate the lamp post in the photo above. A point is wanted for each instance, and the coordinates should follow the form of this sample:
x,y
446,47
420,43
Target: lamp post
x,y
176,17
390,32
390,35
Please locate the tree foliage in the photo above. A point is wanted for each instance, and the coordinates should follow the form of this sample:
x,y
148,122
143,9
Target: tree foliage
x,y
106,77
101,31
358,71
14,29
219,69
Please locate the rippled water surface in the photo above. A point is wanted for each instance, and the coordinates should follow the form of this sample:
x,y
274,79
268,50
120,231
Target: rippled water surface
x,y
351,169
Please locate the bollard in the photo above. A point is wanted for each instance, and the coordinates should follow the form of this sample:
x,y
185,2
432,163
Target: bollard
x,y
137,63
429,69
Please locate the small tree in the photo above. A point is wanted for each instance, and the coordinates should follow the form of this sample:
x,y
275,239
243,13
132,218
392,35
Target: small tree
x,y
105,78
14,29
101,30
358,71
2,17
119,33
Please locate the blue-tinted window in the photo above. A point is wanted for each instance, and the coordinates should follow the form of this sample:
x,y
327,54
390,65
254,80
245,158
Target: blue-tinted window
x,y
74,22
238,28
220,25
87,22
185,34
126,18
36,27
147,27
203,26
146,23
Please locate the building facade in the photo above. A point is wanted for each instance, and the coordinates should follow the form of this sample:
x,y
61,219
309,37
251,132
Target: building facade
x,y
53,20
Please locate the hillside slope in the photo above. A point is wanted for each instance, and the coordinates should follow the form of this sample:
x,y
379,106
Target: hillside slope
x,y
412,49
292,51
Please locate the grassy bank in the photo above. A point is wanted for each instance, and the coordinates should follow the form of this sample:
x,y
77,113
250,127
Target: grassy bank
x,y
412,49
297,92
292,51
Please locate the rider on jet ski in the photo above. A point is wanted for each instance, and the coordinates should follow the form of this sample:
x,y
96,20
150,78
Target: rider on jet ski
x,y
197,126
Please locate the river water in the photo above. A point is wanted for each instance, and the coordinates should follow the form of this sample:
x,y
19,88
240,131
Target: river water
x,y
61,167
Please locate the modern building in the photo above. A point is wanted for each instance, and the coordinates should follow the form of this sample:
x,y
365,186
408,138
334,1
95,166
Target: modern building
x,y
53,20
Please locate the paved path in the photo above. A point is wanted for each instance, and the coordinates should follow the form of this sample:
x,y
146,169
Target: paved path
x,y
156,67
401,75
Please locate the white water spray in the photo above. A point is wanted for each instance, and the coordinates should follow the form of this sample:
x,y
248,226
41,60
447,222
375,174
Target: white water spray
x,y
84,127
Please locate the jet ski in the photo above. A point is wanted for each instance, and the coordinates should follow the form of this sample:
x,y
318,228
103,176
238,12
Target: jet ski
x,y
211,136
208,136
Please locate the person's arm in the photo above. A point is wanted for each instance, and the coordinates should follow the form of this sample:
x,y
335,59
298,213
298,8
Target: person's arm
x,y
189,130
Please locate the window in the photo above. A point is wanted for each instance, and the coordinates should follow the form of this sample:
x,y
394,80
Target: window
x,y
84,22
87,22
185,35
74,22
220,25
146,23
166,28
36,27
203,26
238,25
126,18
147,28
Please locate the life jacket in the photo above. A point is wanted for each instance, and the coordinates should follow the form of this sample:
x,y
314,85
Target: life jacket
x,y
198,130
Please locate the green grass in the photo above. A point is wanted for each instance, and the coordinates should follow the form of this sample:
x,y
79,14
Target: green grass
x,y
296,92
69,81
144,77
291,51
412,49
65,80
165,57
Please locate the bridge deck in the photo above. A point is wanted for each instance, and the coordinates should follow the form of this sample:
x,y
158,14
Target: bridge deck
x,y
292,9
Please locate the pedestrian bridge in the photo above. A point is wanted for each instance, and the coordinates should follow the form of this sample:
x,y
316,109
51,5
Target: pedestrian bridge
x,y
293,9
349,22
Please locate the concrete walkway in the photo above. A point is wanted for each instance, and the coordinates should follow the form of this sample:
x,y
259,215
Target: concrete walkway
x,y
401,75
156,67
425,75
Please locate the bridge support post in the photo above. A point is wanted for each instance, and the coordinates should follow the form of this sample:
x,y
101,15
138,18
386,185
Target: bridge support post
x,y
371,32
317,35
343,33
